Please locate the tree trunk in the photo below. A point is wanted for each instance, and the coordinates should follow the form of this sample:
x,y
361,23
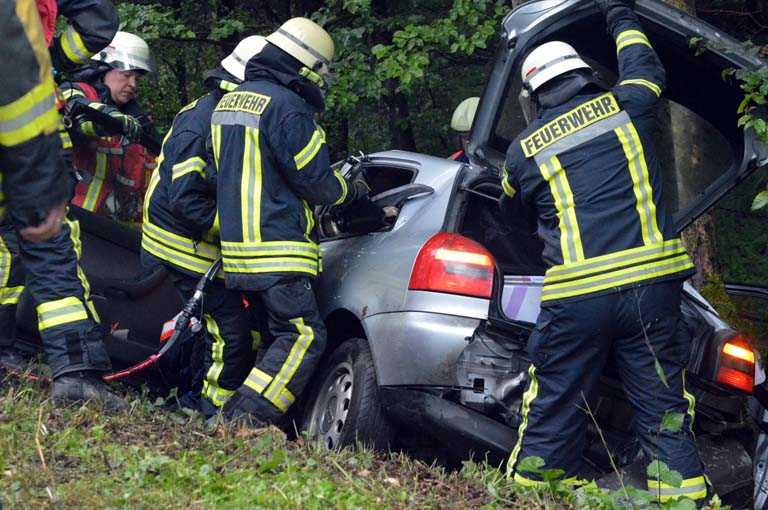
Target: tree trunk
x,y
687,155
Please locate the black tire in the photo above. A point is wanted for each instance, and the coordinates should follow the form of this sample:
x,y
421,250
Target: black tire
x,y
344,407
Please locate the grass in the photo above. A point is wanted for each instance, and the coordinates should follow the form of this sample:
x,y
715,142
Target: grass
x,y
150,457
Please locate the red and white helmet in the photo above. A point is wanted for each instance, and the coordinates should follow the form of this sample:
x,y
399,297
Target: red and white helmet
x,y
549,61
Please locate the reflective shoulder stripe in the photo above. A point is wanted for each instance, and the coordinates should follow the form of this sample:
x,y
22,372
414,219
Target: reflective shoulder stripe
x,y
344,187
226,118
73,46
189,106
582,136
59,312
643,83
227,85
308,153
193,164
630,37
31,115
508,189
570,122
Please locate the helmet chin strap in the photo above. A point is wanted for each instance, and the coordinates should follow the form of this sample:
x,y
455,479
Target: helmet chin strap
x,y
528,104
314,78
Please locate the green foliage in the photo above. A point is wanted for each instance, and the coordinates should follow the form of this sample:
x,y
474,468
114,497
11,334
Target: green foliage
x,y
672,422
659,471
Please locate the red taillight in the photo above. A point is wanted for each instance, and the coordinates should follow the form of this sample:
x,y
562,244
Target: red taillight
x,y
737,364
454,264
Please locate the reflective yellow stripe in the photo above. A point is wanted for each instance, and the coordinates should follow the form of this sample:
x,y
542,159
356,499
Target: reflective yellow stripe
x,y
72,92
270,248
525,408
505,185
571,481
96,184
691,411
638,168
77,245
292,362
61,311
308,153
10,295
174,257
615,260
257,380
570,237
693,488
250,191
73,46
199,249
6,261
617,278
644,83
31,115
271,265
630,37
193,164
216,142
344,187
211,389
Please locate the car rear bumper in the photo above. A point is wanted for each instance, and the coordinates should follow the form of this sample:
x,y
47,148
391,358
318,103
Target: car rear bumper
x,y
417,348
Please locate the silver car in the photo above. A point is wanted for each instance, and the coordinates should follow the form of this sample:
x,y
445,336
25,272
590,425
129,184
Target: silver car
x,y
429,311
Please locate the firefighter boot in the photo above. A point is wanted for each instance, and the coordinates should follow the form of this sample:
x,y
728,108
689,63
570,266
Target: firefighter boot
x,y
84,386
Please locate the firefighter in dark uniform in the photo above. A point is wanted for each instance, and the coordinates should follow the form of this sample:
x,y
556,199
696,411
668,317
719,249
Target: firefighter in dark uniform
x,y
273,166
36,187
113,166
587,165
180,231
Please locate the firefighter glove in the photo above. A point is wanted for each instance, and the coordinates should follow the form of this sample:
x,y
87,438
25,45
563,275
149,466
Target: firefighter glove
x,y
132,129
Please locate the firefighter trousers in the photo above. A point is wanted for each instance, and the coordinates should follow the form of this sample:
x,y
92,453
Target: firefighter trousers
x,y
229,342
67,320
296,341
569,348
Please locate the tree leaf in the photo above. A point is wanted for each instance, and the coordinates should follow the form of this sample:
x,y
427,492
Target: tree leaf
x,y
682,504
760,201
673,422
530,465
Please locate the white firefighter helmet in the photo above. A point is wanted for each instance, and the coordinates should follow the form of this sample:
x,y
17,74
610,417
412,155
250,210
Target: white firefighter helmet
x,y
235,62
127,52
307,42
464,114
549,61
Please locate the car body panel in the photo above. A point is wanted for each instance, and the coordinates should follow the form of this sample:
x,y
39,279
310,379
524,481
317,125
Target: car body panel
x,y
417,348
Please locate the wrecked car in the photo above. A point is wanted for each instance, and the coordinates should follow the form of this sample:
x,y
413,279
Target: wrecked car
x,y
429,315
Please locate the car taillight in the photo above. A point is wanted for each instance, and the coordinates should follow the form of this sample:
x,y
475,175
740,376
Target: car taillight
x,y
736,367
453,264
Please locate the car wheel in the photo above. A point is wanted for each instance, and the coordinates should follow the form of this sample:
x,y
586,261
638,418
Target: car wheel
x,y
344,408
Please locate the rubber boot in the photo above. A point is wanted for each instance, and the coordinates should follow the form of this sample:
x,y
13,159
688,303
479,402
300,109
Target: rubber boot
x,y
76,387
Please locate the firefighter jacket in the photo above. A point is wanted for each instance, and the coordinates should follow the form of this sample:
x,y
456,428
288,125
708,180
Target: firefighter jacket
x,y
589,167
32,173
180,205
273,166
113,172
92,25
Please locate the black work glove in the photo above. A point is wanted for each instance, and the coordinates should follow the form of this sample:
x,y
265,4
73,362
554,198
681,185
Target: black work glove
x,y
605,6
132,128
360,215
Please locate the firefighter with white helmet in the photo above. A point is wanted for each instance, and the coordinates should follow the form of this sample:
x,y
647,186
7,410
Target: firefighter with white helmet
x,y
587,165
461,123
113,164
179,214
273,168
